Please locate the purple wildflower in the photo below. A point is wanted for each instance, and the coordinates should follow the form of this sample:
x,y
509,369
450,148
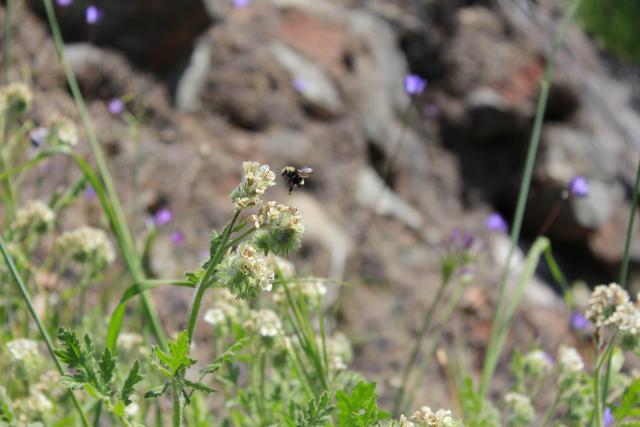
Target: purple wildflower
x,y
299,84
579,187
548,358
93,14
177,238
38,136
238,4
64,3
607,418
89,193
495,222
163,216
116,106
414,85
467,240
578,322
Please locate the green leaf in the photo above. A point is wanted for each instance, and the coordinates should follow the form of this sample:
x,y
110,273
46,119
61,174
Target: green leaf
x,y
197,385
359,409
227,357
133,378
317,413
179,350
157,391
70,354
106,367
630,402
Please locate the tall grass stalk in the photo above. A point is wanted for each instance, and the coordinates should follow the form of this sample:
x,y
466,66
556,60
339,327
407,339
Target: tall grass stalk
x,y
118,220
43,331
493,349
624,268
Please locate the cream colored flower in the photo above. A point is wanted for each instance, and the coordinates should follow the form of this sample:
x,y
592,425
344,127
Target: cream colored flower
x,y
34,215
265,322
88,244
22,348
570,359
603,303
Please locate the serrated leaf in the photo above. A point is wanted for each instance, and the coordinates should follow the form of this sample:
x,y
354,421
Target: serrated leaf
x,y
106,367
179,351
227,357
195,277
630,402
156,391
317,413
360,407
71,352
133,378
197,385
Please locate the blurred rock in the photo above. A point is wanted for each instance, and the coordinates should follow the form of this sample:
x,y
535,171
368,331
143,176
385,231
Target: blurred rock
x,y
318,93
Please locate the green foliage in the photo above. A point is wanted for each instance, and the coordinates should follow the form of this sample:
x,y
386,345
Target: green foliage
x,y
615,24
360,408
173,366
95,372
630,403
317,413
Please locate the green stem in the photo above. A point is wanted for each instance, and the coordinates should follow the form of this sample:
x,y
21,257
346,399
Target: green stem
x,y
177,406
202,286
413,358
43,332
490,363
627,244
552,409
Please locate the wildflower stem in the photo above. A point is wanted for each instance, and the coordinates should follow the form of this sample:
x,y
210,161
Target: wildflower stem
x,y
413,358
43,332
496,327
632,216
202,286
177,405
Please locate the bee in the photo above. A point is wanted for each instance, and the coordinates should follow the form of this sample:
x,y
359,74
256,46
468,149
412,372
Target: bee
x,y
295,177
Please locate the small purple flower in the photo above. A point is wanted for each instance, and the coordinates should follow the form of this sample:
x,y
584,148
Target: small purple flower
x,y
116,106
414,85
299,85
177,238
579,187
467,240
64,3
93,14
38,136
548,358
89,193
163,216
607,418
238,4
495,222
578,322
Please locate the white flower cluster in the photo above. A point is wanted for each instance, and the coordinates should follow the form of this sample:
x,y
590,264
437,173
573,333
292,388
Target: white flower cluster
x,y
314,290
537,363
265,322
245,273
224,307
256,178
88,244
34,215
256,267
279,228
22,349
440,418
63,131
521,411
339,351
610,306
129,340
281,215
16,98
570,360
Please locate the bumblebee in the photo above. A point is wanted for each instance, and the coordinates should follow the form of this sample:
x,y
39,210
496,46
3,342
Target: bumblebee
x,y
295,177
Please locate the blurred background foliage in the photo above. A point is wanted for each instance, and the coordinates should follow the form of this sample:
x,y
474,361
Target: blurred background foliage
x,y
615,24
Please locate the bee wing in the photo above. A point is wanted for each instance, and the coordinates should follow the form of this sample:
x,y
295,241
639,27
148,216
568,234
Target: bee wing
x,y
305,172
